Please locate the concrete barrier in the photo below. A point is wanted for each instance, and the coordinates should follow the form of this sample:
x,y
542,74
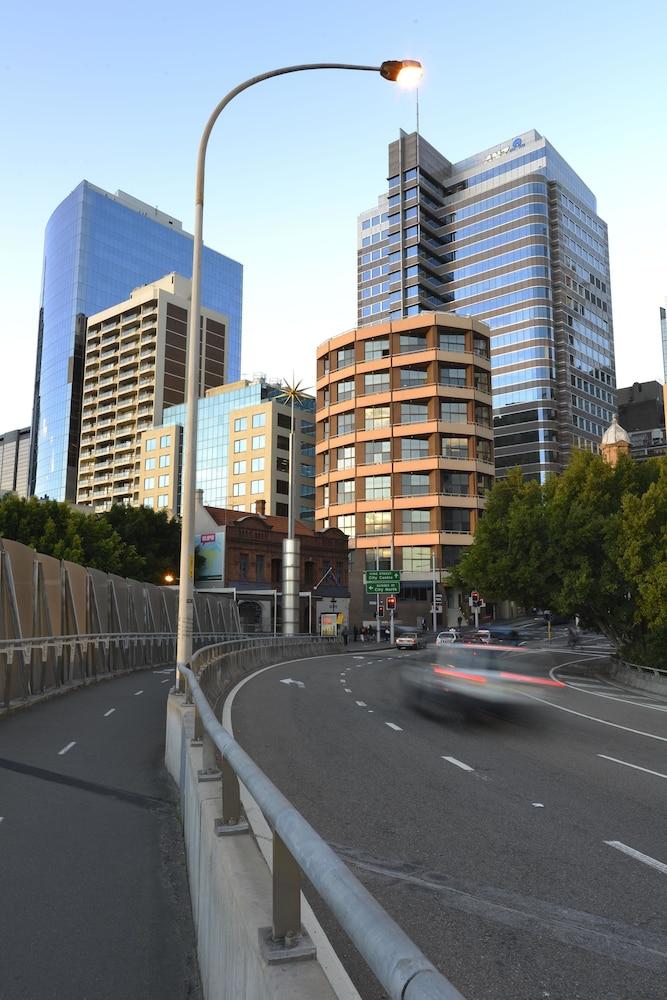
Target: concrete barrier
x,y
230,887
642,678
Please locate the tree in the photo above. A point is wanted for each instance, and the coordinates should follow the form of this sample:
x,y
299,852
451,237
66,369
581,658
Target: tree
x,y
153,534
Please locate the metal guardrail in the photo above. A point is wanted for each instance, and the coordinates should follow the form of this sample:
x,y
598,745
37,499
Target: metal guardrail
x,y
656,671
402,969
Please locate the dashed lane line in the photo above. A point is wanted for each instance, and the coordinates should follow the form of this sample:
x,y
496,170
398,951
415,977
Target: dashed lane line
x,y
110,712
459,763
138,692
638,856
636,767
392,725
347,690
361,704
67,748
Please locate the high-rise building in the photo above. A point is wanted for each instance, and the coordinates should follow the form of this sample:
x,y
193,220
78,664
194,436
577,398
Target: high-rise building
x,y
663,333
641,413
14,461
405,450
134,367
242,452
97,248
510,236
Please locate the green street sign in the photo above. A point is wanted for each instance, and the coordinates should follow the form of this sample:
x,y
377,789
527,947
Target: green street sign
x,y
383,587
377,575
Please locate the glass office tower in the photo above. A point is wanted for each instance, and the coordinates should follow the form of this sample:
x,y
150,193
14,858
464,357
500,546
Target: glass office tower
x,y
97,248
510,236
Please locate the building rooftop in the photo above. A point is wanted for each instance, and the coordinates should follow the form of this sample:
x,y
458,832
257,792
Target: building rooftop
x,y
223,516
615,434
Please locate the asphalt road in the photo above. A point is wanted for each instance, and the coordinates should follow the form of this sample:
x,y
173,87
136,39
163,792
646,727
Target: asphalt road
x,y
504,849
94,901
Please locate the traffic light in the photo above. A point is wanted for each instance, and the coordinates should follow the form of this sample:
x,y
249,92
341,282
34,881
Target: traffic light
x,y
391,604
474,597
381,611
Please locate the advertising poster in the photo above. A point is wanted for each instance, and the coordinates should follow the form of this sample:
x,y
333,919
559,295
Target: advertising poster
x,y
210,556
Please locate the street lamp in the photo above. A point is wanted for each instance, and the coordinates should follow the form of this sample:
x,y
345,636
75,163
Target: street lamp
x,y
395,70
291,581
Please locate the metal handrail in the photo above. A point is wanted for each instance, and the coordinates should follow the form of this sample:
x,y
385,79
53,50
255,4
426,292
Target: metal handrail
x,y
403,970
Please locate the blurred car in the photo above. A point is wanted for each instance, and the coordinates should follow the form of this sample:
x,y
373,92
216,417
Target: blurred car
x,y
480,635
410,640
507,634
469,680
449,636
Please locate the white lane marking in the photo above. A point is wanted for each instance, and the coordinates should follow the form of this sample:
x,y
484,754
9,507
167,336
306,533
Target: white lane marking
x,y
168,679
2,819
538,805
658,774
361,704
630,851
347,690
370,711
592,718
392,725
459,763
583,683
110,712
138,692
68,747
290,680
357,657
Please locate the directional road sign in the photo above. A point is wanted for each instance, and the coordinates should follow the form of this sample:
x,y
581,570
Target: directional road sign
x,y
384,587
376,575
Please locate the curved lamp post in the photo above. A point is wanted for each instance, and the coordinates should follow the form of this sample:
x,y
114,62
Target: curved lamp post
x,y
403,71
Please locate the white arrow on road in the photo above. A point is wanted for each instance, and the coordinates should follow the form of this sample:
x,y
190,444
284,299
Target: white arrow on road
x,y
289,680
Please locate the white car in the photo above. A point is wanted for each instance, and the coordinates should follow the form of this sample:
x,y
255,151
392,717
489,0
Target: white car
x,y
445,638
410,640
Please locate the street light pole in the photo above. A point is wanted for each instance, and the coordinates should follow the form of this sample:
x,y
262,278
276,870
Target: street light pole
x,y
395,70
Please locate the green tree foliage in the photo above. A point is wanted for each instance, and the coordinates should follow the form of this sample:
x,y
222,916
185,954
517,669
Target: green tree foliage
x,y
591,542
130,541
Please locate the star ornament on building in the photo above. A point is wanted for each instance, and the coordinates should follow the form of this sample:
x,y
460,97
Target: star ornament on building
x,y
293,393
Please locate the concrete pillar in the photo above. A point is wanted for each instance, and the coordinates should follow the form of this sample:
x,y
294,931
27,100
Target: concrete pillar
x,y
291,574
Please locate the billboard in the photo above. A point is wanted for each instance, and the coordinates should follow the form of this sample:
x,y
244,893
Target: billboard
x,y
210,556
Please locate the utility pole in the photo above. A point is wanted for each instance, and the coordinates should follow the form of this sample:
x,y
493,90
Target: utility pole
x,y
377,600
435,613
391,610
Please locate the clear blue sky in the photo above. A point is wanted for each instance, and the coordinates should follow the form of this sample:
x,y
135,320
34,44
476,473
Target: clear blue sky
x,y
118,94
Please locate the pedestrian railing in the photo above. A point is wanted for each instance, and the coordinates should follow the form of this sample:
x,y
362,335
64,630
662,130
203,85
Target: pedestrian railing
x,y
402,969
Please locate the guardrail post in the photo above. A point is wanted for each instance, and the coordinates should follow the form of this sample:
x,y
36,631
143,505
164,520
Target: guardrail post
x,y
209,771
232,815
285,940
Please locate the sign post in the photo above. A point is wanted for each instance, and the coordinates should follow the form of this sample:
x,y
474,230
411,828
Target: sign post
x,y
382,581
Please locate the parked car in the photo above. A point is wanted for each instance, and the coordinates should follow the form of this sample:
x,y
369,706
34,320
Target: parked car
x,y
448,637
410,640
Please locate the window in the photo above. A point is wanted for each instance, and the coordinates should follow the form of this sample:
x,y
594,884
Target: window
x,y
377,451
344,357
484,450
345,523
412,342
378,487
150,444
165,441
239,468
259,420
345,457
243,565
257,486
414,447
452,342
282,486
259,441
163,481
452,554
282,464
454,412
149,464
165,461
413,376
455,484
149,502
378,558
454,447
455,519
240,445
452,375
376,416
376,382
482,414
416,521
282,510
377,522
376,348
238,489
259,567
413,413
345,491
284,420
414,484
256,465
484,484
417,558
345,390
241,424
345,423
149,483
483,382
163,500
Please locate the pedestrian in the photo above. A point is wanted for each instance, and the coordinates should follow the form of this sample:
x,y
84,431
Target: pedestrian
x,y
362,633
355,633
459,621
572,635
345,634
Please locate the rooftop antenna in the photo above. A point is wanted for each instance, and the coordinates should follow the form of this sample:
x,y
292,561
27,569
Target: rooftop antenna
x,y
417,103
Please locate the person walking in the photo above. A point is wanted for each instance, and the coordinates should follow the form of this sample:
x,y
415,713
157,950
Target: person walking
x,y
355,633
345,634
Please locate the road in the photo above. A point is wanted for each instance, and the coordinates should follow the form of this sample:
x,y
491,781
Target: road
x,y
94,896
527,859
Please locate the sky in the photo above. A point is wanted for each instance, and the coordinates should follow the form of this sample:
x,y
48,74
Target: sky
x,y
118,94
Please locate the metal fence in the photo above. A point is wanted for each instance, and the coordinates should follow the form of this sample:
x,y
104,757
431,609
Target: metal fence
x,y
402,969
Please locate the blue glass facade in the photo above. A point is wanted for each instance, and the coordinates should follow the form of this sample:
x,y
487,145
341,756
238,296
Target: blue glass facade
x,y
97,248
213,422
